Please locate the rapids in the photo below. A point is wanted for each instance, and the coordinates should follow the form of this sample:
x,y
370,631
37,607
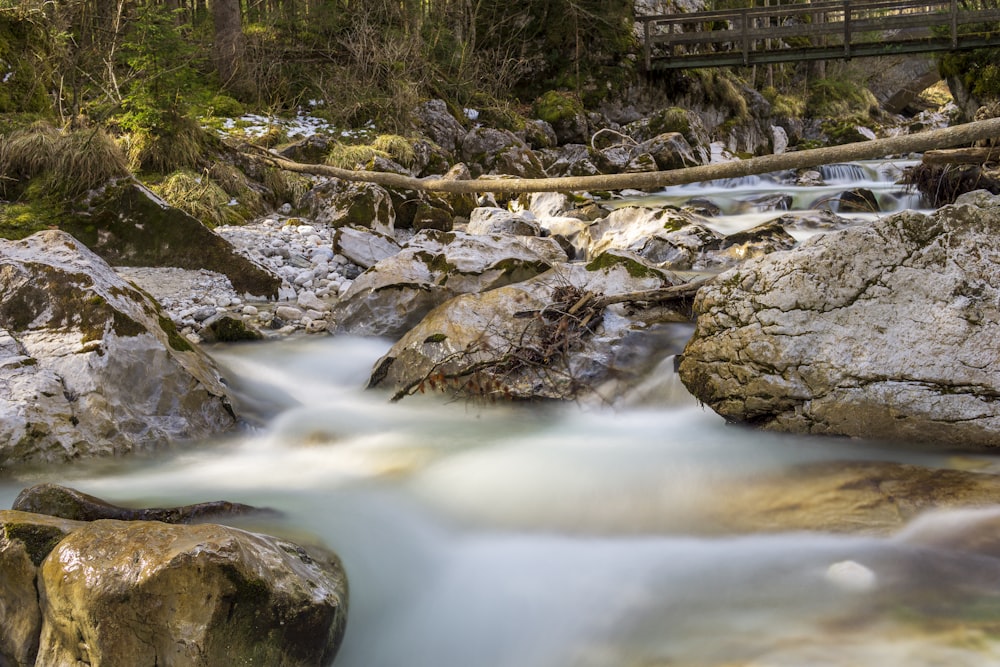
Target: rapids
x,y
479,535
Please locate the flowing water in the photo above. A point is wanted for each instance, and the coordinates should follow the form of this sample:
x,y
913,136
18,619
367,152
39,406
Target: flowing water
x,y
573,536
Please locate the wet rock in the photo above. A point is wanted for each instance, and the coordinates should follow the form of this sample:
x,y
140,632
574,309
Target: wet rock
x,y
757,242
91,365
394,294
858,200
362,246
138,592
508,343
66,503
705,208
813,221
670,238
489,220
25,541
765,203
880,331
130,226
226,328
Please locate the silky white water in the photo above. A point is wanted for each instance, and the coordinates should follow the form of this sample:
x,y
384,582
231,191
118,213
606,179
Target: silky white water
x,y
561,536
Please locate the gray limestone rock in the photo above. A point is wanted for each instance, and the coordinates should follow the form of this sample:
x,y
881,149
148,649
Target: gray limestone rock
x,y
398,291
89,365
881,331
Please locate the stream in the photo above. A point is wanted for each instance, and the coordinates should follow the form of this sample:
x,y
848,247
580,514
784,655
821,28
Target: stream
x,y
567,536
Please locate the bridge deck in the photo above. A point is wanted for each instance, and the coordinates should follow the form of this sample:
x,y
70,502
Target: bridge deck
x,y
815,31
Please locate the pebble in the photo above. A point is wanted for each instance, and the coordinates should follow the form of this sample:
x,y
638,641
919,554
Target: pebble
x,y
288,313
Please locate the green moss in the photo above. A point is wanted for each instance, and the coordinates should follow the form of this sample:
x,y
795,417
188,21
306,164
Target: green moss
x,y
672,119
436,338
38,540
608,260
557,106
174,339
436,263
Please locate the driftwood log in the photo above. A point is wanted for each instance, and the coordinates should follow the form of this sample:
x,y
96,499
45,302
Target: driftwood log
x,y
962,156
865,150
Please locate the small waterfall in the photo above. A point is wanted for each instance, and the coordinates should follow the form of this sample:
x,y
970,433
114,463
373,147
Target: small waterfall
x,y
844,173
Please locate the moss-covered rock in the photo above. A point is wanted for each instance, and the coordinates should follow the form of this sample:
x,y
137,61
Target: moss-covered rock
x,y
129,226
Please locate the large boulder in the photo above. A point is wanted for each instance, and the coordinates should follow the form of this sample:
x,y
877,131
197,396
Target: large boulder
x,y
127,225
89,365
394,294
883,331
548,337
148,593
113,592
488,150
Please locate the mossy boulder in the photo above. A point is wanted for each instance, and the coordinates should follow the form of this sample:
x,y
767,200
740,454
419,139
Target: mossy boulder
x,y
565,113
128,225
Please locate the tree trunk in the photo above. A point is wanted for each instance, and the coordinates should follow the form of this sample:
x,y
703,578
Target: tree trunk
x,y
865,150
227,51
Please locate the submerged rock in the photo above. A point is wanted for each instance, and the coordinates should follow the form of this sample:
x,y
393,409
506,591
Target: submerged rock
x,y
883,331
90,365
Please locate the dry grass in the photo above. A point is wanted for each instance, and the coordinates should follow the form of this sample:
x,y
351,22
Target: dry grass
x,y
355,156
182,148
200,197
68,162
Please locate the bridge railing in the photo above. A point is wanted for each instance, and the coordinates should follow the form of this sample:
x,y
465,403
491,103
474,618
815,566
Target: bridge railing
x,y
825,29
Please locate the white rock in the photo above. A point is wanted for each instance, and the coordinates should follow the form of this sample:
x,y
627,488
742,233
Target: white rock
x,y
288,313
851,576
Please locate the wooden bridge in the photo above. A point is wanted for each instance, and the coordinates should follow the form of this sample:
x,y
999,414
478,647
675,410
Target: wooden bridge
x,y
822,30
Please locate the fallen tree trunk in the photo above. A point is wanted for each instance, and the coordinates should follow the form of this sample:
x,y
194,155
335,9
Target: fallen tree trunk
x,y
962,156
865,150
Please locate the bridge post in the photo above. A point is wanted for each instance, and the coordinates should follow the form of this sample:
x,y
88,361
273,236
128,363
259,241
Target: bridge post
x,y
745,29
954,24
847,30
645,45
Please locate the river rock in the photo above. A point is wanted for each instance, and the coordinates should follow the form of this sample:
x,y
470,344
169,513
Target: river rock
x,y
571,160
434,120
670,238
362,246
340,203
494,220
500,152
149,593
756,242
66,503
128,225
25,540
91,366
880,331
669,151
394,294
503,343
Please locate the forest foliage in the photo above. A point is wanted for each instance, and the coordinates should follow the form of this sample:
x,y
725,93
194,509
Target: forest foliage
x,y
144,65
